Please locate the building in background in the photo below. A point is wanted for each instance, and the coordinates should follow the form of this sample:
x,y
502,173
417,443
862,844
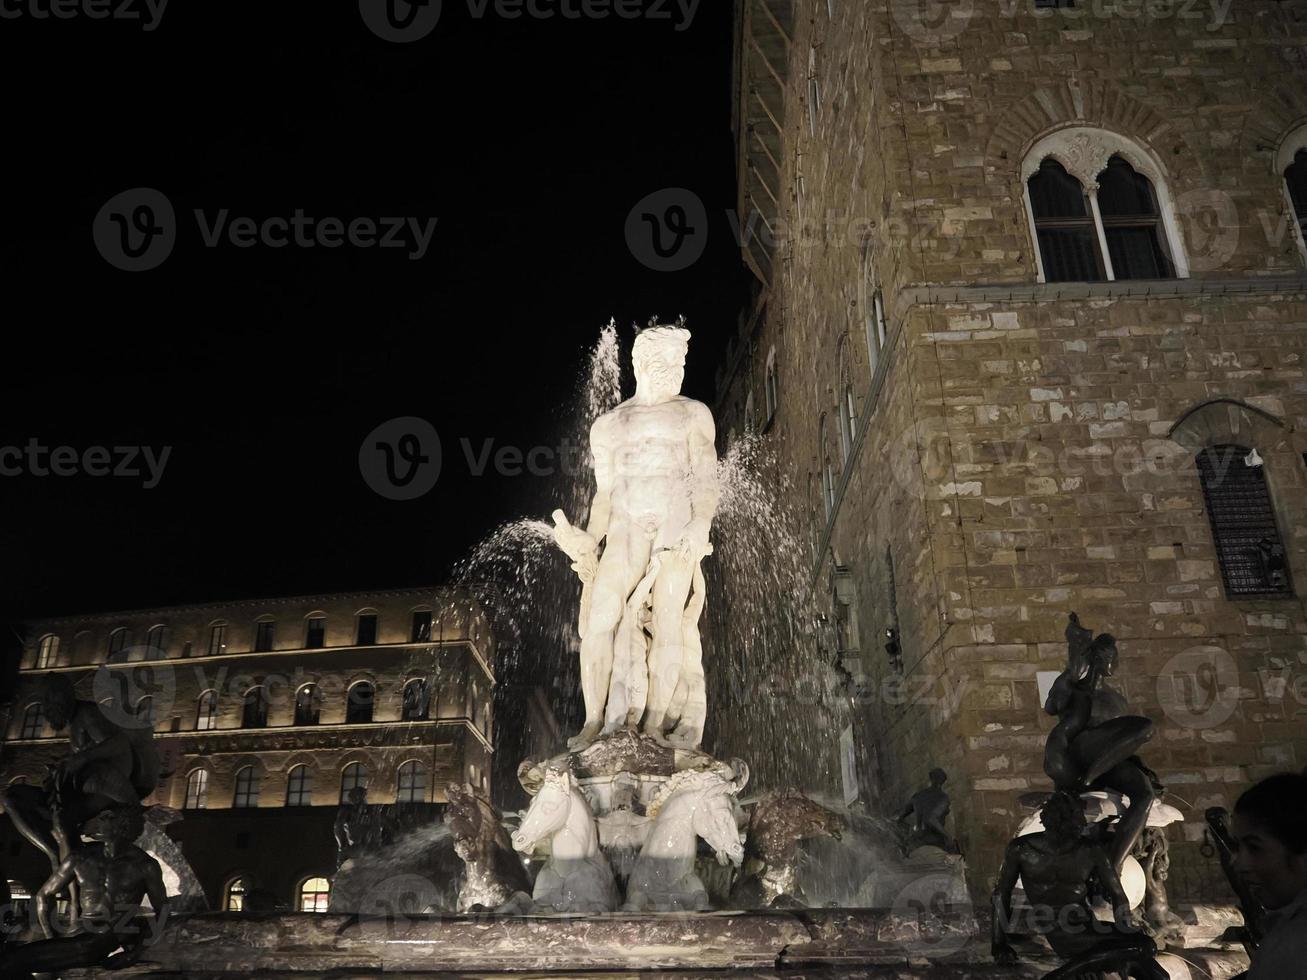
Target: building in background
x,y
1029,338
266,714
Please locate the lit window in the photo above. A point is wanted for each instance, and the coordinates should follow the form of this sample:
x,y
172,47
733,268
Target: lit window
x,y
236,895
306,705
412,786
206,711
315,895
197,790
316,634
247,788
353,776
299,787
48,652
358,704
217,639
33,722
1249,548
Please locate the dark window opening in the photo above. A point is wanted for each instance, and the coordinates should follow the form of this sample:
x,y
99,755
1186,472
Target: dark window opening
x,y
306,705
254,712
421,627
263,637
1295,175
316,637
367,630
358,706
1064,226
415,701
1132,223
1249,548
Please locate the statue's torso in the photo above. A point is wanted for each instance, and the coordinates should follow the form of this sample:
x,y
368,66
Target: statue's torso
x,y
648,448
107,884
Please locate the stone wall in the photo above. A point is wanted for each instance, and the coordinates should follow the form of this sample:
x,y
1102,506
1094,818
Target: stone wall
x,y
1025,449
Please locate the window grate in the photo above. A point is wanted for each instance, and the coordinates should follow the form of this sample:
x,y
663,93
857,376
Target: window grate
x,y
1248,543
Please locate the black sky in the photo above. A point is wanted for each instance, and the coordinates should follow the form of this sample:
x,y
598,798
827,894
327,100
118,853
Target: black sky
x,y
529,141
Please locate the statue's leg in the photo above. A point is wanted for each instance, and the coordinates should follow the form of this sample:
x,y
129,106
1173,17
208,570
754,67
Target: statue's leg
x,y
58,954
620,569
1133,781
667,651
27,809
1130,955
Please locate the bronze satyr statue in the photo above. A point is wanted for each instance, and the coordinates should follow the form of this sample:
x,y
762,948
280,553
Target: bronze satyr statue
x,y
111,764
1094,742
1056,867
495,874
1154,857
112,877
927,810
769,877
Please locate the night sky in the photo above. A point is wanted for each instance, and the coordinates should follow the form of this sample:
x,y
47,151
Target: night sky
x,y
529,140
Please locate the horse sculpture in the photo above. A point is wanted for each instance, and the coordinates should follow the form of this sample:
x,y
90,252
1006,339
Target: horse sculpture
x,y
694,803
770,876
577,877
494,871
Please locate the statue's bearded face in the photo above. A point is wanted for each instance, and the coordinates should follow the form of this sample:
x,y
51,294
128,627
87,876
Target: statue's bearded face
x,y
658,358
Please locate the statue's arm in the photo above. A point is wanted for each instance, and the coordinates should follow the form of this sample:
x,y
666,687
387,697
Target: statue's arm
x,y
705,491
601,449
1111,883
45,896
107,741
158,895
1000,946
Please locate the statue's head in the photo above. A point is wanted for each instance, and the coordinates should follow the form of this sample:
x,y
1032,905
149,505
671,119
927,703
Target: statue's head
x,y
938,777
57,699
1103,653
1063,816
658,358
118,825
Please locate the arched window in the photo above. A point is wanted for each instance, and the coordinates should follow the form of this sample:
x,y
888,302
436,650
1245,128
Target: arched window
x,y
263,634
1294,169
206,711
1099,209
254,710
119,640
848,405
47,654
247,788
1132,223
307,705
366,628
412,783
156,643
234,897
827,468
314,895
299,787
354,775
771,388
873,312
358,703
415,700
217,639
197,790
145,711
315,632
33,722
750,423
1247,537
